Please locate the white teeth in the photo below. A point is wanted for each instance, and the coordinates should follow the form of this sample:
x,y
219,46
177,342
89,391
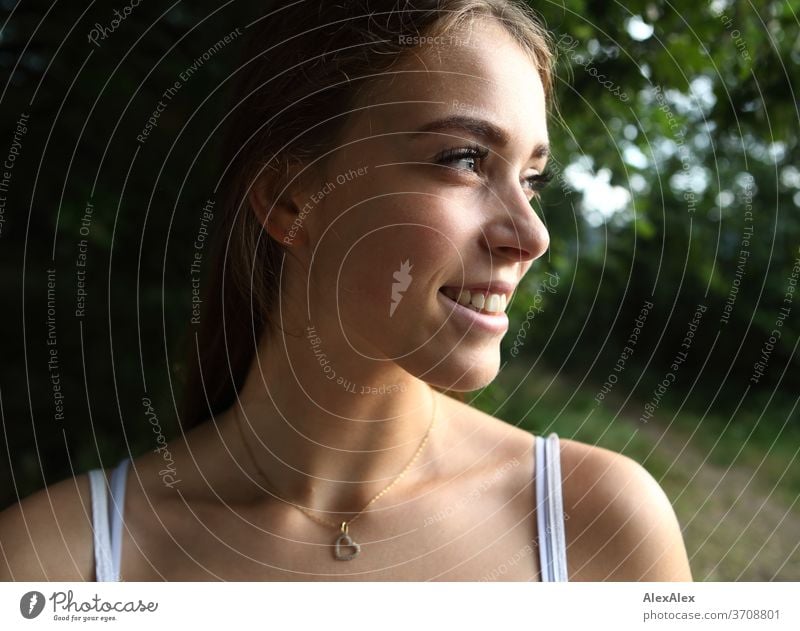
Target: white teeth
x,y
450,292
492,303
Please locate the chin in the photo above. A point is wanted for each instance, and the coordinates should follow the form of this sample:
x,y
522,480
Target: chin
x,y
474,378
453,368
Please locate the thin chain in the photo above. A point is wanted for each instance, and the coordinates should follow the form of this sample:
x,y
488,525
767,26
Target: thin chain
x,y
344,525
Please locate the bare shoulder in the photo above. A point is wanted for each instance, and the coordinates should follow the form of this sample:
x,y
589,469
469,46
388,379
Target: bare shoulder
x,y
620,525
48,535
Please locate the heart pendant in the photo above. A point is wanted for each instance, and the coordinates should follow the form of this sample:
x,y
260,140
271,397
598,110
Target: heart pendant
x,y
344,540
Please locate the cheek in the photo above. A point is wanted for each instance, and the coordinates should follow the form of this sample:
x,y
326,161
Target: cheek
x,y
385,277
402,255
375,226
408,228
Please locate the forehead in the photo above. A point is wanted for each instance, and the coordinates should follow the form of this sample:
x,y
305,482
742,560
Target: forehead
x,y
475,70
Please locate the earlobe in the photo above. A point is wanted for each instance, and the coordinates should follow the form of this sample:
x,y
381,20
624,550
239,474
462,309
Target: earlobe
x,y
277,212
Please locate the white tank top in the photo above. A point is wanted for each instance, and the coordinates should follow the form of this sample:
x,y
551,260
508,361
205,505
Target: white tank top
x,y
107,508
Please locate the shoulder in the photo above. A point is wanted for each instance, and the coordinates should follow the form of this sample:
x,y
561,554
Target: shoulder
x,y
620,525
48,535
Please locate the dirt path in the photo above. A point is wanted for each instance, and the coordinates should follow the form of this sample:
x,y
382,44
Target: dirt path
x,y
735,528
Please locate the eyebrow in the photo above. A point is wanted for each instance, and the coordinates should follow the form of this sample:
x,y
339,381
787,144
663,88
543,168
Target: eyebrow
x,y
477,127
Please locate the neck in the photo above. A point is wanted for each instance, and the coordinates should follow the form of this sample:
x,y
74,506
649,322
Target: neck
x,y
331,443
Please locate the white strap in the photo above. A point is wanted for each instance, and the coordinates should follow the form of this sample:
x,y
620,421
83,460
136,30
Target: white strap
x,y
556,509
549,510
541,512
102,542
118,479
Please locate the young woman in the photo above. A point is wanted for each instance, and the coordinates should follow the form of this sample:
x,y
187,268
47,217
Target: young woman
x,y
380,170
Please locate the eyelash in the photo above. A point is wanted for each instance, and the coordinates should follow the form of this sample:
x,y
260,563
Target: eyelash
x,y
478,153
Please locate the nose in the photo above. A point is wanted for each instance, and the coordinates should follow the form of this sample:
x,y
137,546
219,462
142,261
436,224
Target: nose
x,y
514,230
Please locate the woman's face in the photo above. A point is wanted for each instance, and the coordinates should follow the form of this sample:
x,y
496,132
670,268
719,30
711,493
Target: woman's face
x,y
398,219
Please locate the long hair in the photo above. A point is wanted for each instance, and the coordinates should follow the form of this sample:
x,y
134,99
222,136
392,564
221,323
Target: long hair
x,y
303,67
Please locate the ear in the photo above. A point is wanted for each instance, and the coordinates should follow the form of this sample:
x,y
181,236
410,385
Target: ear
x,y
276,199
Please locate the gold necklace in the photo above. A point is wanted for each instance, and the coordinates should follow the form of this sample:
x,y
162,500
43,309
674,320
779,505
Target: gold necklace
x,y
344,540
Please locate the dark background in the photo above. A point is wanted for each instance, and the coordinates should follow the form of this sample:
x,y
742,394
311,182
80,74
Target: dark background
x,y
622,233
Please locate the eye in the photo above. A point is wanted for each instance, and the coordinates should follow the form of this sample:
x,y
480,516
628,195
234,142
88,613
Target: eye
x,y
471,154
537,182
474,154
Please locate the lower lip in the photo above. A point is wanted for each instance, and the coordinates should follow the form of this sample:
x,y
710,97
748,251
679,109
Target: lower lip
x,y
482,321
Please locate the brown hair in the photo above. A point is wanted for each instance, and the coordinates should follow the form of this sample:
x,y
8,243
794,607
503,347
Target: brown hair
x,y
303,67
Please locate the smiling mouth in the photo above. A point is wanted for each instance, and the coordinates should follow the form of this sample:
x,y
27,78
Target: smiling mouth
x,y
480,301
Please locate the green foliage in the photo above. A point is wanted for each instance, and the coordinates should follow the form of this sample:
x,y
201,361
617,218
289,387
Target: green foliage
x,y
695,105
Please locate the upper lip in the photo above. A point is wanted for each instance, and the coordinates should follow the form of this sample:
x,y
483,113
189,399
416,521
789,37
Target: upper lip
x,y
490,287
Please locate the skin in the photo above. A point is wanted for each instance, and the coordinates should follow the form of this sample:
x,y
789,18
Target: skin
x,y
466,509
